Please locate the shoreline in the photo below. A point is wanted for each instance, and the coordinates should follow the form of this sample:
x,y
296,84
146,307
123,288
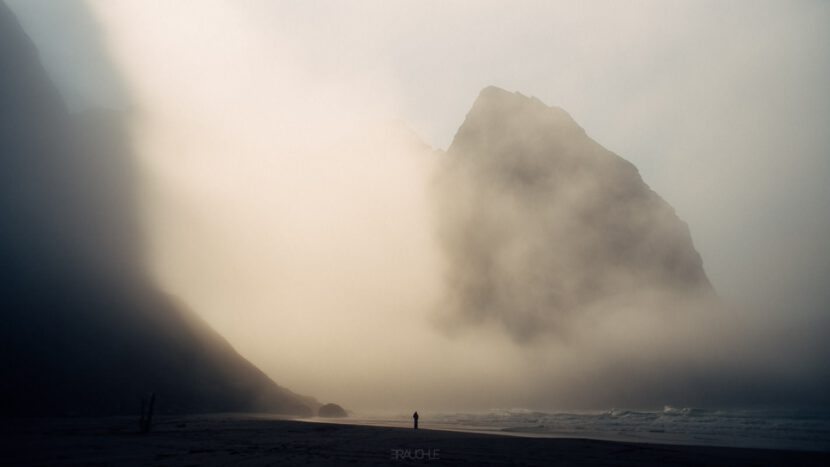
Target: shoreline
x,y
251,439
655,438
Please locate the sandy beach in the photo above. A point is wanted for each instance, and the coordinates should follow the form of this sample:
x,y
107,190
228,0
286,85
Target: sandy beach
x,y
245,440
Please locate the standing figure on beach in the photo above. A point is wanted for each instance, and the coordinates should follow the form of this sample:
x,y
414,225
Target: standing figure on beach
x,y
415,418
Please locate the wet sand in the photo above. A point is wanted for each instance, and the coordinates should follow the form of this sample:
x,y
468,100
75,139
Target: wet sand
x,y
250,441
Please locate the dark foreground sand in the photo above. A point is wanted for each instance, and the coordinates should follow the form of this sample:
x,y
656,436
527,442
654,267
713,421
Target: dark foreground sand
x,y
240,440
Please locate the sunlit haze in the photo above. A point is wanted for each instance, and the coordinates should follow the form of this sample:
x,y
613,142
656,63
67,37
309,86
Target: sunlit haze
x,y
294,191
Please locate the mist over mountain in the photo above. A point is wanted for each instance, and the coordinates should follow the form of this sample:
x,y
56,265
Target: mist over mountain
x,y
558,243
84,329
541,224
278,204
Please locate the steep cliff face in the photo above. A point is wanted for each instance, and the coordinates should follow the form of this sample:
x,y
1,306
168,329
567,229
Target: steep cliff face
x,y
83,329
540,223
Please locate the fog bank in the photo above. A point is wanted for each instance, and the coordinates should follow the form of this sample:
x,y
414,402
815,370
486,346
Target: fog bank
x,y
288,187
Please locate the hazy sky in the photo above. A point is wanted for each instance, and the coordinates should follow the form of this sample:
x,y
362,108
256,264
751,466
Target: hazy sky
x,y
263,128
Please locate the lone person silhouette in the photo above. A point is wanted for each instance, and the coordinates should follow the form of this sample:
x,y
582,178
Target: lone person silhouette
x,y
415,418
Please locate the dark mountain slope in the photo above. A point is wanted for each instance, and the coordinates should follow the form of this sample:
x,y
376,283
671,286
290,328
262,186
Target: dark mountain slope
x,y
84,331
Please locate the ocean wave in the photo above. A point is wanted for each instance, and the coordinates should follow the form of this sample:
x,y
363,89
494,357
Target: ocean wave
x,y
689,425
683,411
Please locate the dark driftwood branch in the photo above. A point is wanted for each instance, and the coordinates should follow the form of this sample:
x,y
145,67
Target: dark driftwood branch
x,y
146,420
